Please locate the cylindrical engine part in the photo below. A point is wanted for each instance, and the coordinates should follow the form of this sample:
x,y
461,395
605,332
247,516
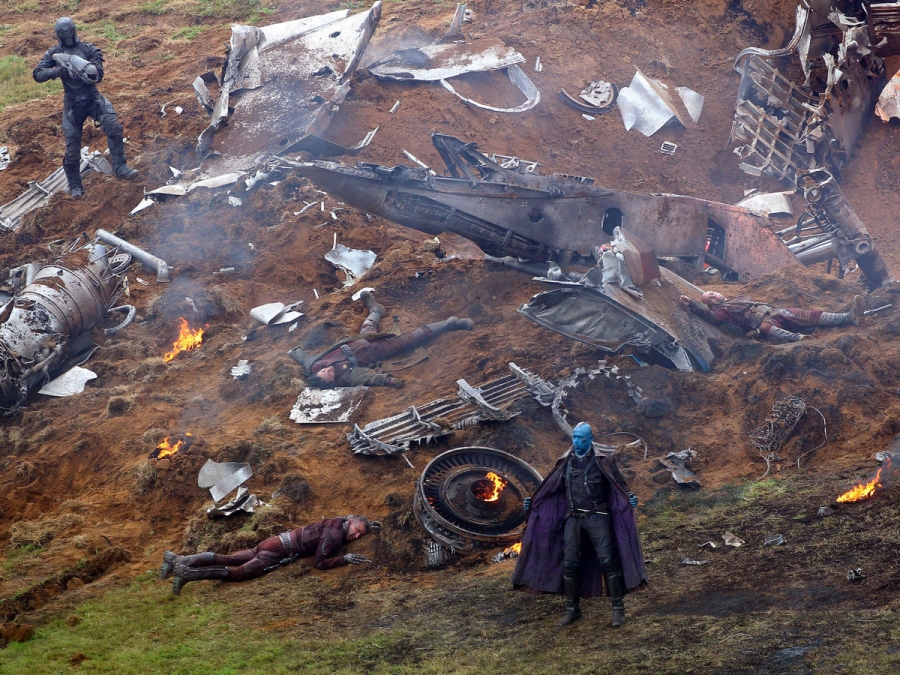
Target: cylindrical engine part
x,y
64,301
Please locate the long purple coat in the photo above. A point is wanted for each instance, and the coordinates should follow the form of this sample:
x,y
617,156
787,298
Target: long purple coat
x,y
539,566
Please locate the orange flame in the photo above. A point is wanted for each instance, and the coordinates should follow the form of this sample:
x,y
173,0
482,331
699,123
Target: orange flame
x,y
516,548
863,490
187,340
491,494
166,449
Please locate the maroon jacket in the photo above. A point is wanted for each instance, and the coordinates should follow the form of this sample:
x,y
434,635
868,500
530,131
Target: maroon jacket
x,y
741,311
539,566
323,540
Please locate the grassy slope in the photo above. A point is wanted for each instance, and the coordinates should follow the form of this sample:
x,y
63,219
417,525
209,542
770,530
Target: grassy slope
x,y
750,610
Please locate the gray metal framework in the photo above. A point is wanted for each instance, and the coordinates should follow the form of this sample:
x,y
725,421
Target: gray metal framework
x,y
472,405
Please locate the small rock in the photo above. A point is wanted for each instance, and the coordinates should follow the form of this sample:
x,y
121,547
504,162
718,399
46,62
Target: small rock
x,y
72,621
163,464
74,583
179,478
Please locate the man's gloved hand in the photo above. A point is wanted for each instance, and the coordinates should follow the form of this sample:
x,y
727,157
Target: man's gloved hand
x,y
633,500
394,382
355,559
526,504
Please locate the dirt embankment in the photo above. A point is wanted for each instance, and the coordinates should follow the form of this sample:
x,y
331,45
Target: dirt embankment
x,y
87,455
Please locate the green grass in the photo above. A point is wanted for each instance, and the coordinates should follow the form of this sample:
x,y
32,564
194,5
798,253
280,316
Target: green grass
x,y
19,555
188,33
17,85
155,7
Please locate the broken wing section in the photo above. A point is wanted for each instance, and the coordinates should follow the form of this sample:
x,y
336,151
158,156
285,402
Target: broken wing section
x,y
284,82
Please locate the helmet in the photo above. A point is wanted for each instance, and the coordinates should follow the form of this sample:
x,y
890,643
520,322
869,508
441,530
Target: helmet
x,y
65,32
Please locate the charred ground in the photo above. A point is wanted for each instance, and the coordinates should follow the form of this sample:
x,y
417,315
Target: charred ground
x,y
80,504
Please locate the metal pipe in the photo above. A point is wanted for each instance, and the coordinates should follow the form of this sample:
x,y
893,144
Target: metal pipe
x,y
132,310
151,262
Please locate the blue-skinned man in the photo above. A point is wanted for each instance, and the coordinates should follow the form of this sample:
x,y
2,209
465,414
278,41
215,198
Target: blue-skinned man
x,y
582,532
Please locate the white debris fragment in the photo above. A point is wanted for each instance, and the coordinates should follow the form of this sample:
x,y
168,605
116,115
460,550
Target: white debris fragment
x,y
668,148
888,105
333,215
4,157
769,204
538,66
241,370
356,296
145,203
589,118
175,172
647,104
275,313
69,383
394,107
179,109
732,540
318,406
353,262
141,281
235,201
316,293
598,93
323,206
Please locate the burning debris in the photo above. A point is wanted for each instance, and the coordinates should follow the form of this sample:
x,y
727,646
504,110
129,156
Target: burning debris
x,y
471,499
508,553
188,340
171,445
862,490
45,328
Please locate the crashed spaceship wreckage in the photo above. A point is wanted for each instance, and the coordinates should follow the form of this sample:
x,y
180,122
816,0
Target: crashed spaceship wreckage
x,y
508,209
279,88
45,327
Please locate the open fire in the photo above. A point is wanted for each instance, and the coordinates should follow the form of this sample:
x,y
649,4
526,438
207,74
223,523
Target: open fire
x,y
171,445
187,340
863,490
489,489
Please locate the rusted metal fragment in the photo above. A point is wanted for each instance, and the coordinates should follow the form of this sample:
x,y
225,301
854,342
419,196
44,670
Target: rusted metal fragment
x,y
883,21
284,82
515,211
888,105
785,127
846,234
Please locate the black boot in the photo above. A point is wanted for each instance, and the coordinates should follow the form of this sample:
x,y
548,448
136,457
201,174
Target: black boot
x,y
117,157
453,323
170,559
184,574
73,177
573,611
616,584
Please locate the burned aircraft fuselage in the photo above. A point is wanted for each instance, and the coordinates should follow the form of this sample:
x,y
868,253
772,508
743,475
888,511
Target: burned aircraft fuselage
x,y
516,212
49,320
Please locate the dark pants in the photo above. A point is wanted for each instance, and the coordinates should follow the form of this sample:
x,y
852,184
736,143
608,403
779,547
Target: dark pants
x,y
252,562
597,528
75,113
